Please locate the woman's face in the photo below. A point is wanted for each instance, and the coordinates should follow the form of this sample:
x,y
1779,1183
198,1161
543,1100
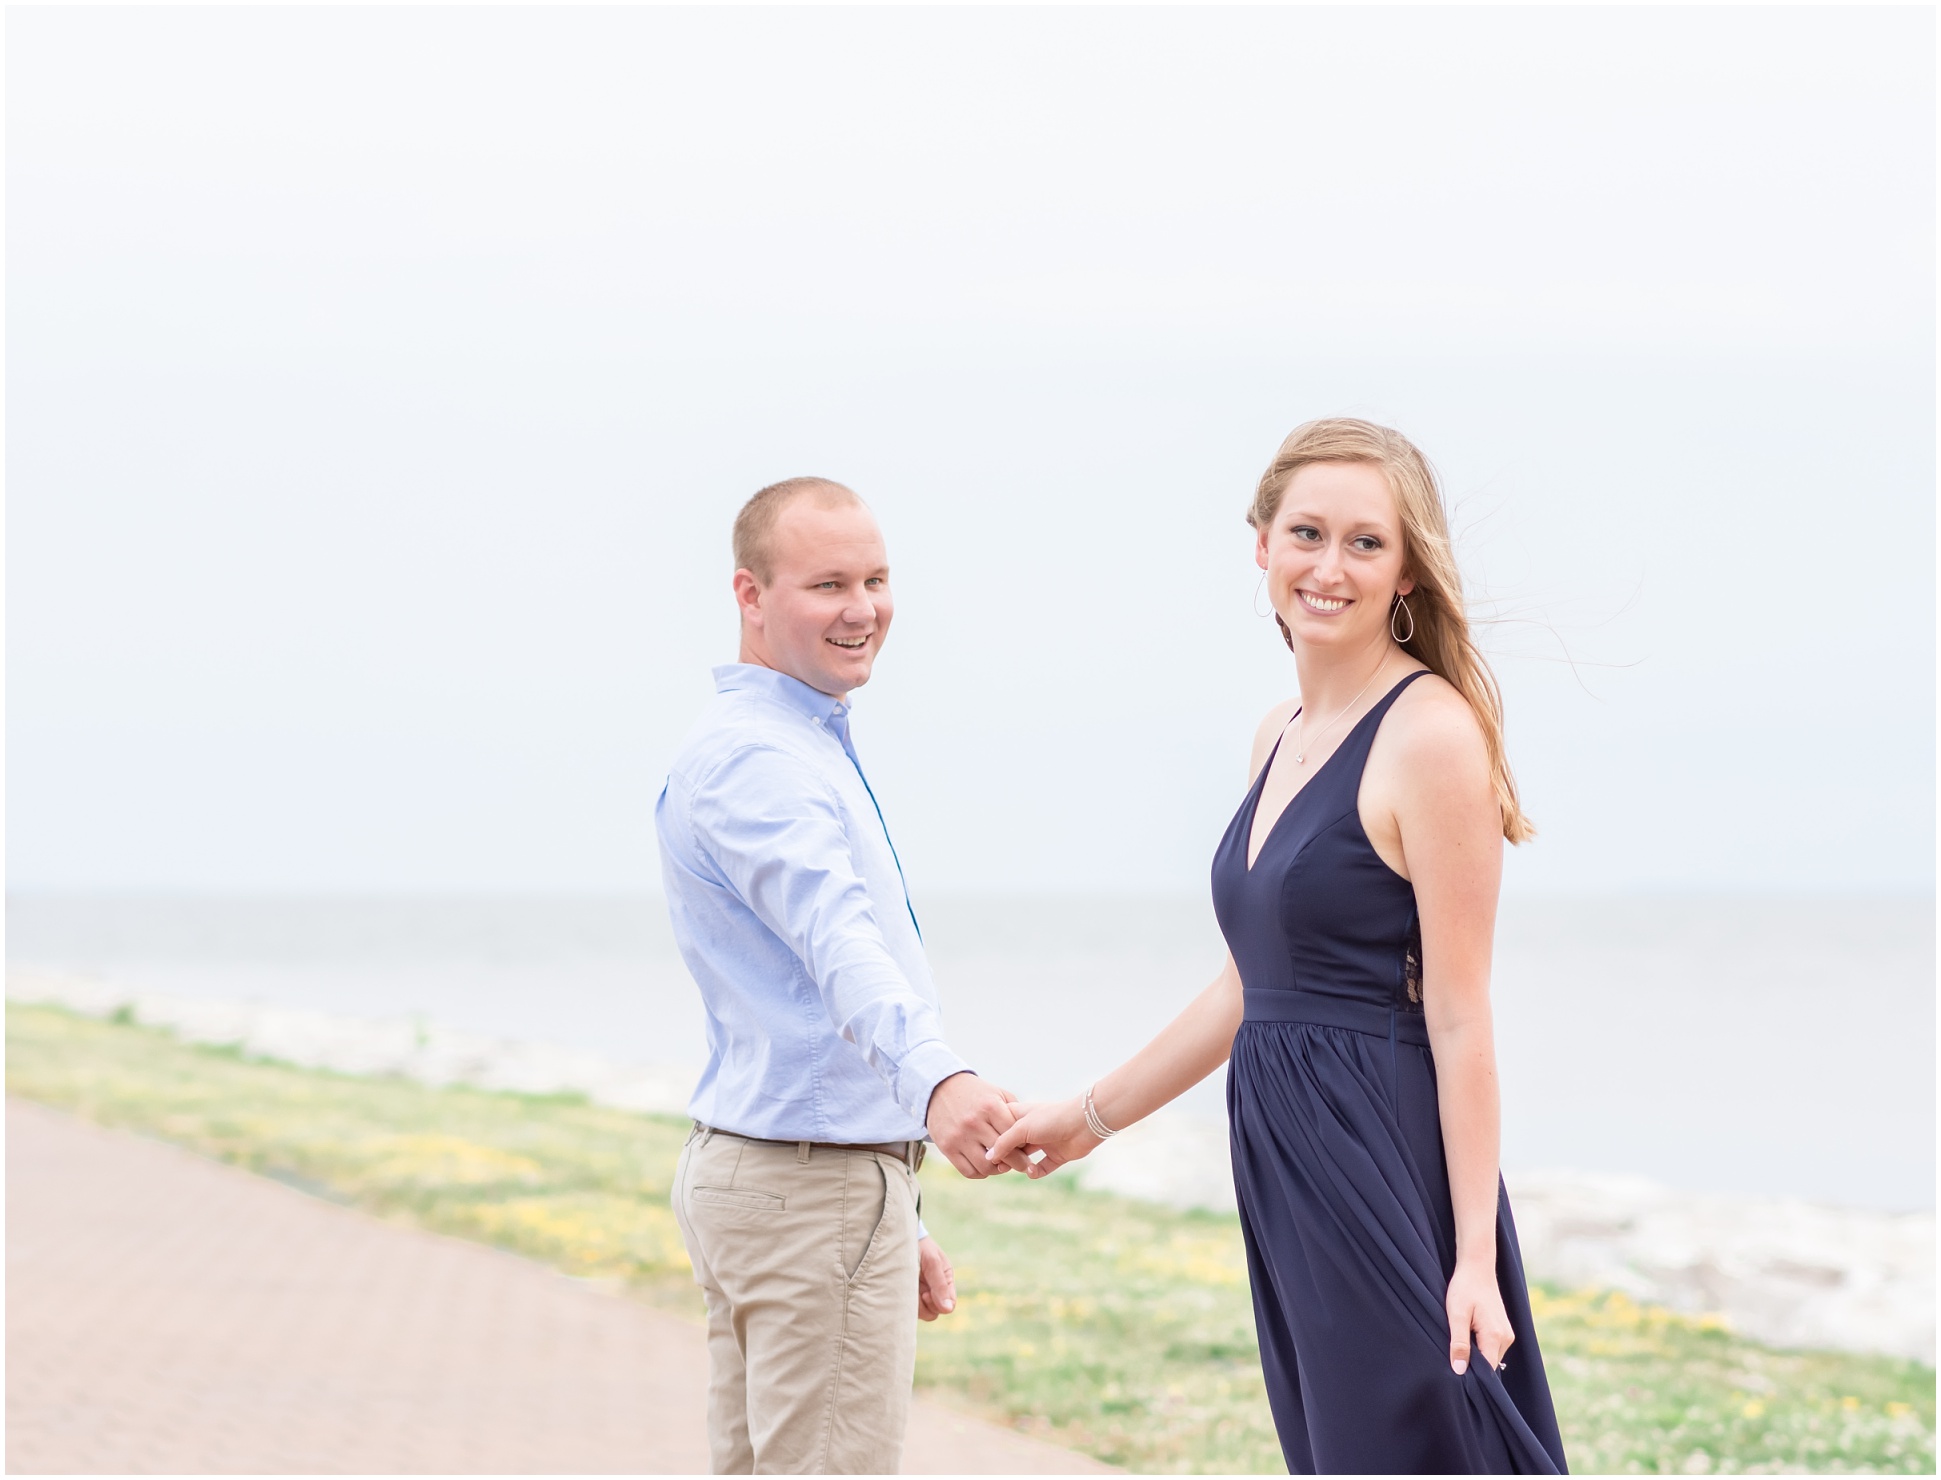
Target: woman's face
x,y
1333,555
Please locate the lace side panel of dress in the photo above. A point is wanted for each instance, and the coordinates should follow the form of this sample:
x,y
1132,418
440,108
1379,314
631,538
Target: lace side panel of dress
x,y
1412,968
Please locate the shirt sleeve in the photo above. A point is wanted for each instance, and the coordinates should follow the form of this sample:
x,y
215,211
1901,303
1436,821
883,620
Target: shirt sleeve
x,y
776,833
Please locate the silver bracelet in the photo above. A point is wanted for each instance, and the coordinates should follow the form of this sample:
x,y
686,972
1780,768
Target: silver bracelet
x,y
1092,1122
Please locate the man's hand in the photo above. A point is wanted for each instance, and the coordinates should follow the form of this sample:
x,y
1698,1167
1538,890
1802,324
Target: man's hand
x,y
936,1289
966,1117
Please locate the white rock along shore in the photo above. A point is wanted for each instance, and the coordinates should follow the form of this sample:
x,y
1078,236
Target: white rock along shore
x,y
1781,1271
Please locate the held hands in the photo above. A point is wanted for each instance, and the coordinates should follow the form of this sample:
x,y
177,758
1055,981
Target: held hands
x,y
1055,1127
1476,1304
968,1115
985,1131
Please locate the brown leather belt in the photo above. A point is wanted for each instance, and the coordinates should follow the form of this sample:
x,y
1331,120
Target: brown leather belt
x,y
910,1153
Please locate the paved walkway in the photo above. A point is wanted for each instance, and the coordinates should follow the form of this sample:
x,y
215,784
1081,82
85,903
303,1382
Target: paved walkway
x,y
169,1314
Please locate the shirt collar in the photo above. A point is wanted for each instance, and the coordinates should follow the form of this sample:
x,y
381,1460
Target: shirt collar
x,y
816,705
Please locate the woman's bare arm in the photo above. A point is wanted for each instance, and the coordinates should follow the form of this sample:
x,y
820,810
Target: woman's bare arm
x,y
1436,775
1188,1049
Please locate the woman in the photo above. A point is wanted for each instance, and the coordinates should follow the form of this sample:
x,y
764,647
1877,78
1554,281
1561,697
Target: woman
x,y
1356,888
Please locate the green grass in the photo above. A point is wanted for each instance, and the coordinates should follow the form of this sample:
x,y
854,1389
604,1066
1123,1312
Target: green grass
x,y
1112,1326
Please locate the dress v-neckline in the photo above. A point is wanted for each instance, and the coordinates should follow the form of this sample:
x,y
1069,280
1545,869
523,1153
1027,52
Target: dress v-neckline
x,y
1260,788
1260,784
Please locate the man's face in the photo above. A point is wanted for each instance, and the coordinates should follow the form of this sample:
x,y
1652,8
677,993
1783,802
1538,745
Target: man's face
x,y
826,608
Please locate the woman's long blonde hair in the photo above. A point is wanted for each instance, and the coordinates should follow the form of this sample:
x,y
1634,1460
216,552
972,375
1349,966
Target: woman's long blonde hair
x,y
1441,637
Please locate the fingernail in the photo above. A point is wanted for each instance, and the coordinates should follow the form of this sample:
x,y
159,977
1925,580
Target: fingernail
x,y
1460,1366
950,1305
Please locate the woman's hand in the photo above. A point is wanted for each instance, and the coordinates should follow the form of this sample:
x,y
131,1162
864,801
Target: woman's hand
x,y
1055,1127
1475,1304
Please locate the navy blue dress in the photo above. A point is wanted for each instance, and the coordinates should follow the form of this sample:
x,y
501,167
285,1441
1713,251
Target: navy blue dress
x,y
1337,1159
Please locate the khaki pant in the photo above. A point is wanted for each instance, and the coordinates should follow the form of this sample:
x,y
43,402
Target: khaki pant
x,y
808,1260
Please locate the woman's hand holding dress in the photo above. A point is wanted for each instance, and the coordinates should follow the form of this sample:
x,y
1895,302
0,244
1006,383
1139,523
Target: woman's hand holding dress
x,y
1475,1304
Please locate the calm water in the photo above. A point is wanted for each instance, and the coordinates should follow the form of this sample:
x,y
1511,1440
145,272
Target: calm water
x,y
1780,1046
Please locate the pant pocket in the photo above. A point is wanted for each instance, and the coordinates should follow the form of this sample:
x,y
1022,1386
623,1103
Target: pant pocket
x,y
866,1189
743,1199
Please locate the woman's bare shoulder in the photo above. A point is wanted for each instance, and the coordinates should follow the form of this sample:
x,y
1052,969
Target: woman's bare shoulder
x,y
1433,725
1270,730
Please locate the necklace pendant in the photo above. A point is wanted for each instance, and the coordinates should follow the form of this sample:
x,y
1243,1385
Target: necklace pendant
x,y
1299,759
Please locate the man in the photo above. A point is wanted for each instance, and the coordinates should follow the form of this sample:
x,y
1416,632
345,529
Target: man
x,y
797,1192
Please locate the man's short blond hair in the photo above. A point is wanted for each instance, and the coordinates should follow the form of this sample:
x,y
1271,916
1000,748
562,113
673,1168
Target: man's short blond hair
x,y
755,524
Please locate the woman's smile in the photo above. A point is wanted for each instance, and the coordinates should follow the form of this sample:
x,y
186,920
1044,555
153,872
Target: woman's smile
x,y
1323,605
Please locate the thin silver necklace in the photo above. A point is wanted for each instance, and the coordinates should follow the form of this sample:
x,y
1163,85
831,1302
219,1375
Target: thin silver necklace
x,y
1300,754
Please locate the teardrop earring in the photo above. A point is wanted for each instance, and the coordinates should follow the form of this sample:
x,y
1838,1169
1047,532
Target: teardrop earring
x,y
1403,608
1258,588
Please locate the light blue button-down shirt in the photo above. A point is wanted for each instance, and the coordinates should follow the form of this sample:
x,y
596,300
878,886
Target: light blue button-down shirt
x,y
790,910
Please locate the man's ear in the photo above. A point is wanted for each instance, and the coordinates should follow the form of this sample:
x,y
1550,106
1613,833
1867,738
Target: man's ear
x,y
748,596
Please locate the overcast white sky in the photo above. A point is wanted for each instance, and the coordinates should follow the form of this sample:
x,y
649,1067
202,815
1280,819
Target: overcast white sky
x,y
381,384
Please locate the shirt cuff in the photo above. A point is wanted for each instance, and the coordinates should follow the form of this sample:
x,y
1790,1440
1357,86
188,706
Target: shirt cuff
x,y
924,1068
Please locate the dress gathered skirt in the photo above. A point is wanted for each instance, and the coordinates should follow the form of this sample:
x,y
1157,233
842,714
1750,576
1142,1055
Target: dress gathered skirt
x,y
1338,1160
